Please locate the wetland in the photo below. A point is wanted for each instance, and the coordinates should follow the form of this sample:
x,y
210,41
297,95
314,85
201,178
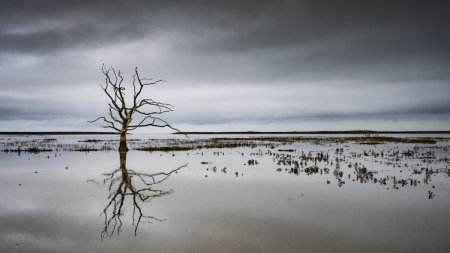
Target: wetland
x,y
225,193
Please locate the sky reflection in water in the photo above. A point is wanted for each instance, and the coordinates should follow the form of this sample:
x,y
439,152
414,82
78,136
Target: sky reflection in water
x,y
291,197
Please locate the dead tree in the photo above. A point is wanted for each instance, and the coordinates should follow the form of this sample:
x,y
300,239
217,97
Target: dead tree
x,y
142,112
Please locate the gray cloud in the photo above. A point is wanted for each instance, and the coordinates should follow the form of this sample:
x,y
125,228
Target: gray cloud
x,y
424,112
240,26
380,58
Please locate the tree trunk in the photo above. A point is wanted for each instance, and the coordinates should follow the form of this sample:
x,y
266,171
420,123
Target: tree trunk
x,y
123,142
123,161
123,166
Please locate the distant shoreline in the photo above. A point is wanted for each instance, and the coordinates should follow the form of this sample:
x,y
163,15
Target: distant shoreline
x,y
322,132
230,132
58,133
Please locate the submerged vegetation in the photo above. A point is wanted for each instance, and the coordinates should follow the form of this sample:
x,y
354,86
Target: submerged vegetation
x,y
272,141
37,145
163,149
33,150
386,161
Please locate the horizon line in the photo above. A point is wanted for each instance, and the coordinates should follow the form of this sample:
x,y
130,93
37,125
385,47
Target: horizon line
x,y
229,132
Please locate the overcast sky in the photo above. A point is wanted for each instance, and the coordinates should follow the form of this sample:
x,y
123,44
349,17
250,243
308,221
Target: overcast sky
x,y
230,65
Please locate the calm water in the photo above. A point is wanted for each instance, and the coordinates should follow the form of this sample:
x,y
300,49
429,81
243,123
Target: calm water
x,y
340,197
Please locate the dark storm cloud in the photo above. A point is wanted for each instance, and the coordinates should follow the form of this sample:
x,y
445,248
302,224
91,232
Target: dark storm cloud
x,y
279,47
379,26
45,26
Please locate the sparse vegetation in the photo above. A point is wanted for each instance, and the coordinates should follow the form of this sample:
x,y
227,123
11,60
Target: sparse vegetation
x,y
164,149
411,161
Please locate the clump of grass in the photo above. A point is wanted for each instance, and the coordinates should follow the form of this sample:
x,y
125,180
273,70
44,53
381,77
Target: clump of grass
x,y
252,162
312,170
86,149
49,140
91,140
33,150
286,150
90,148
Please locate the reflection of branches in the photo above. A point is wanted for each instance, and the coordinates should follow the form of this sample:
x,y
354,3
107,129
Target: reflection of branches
x,y
120,185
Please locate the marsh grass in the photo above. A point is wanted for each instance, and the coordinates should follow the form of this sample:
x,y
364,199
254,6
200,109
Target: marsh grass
x,y
164,149
12,145
32,150
416,161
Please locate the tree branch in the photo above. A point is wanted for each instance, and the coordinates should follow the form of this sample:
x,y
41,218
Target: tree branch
x,y
118,111
107,121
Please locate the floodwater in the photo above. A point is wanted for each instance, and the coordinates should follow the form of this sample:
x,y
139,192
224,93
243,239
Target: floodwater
x,y
299,196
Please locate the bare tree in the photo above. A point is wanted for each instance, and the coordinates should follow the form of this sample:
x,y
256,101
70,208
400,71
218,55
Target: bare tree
x,y
142,112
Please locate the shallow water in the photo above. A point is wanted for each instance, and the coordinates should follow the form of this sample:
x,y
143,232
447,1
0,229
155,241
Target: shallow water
x,y
220,201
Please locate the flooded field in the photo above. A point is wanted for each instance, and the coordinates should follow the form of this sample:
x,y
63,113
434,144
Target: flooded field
x,y
329,193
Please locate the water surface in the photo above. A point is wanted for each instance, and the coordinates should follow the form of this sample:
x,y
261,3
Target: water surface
x,y
301,196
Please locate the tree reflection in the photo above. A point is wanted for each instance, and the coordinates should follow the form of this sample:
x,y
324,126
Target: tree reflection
x,y
138,187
